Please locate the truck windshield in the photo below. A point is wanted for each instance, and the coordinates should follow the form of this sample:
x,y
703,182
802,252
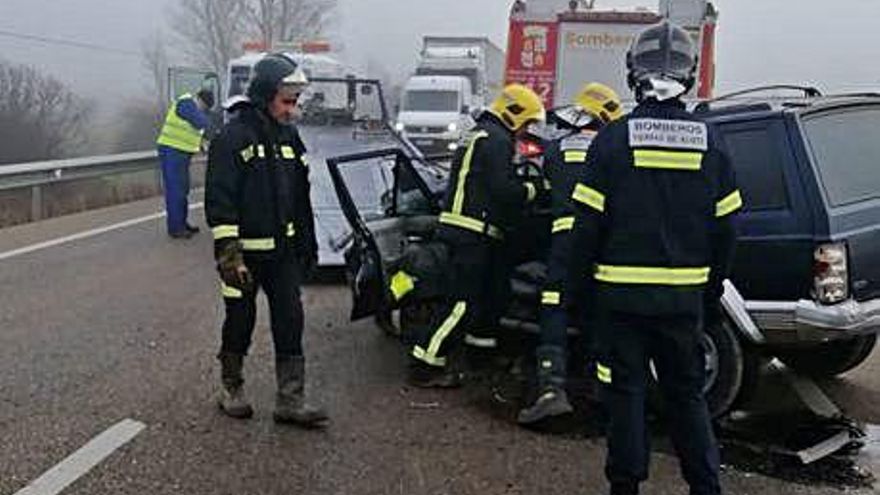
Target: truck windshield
x,y
847,150
431,101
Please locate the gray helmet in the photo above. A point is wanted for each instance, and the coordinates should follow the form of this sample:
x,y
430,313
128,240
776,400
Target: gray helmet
x,y
663,52
270,73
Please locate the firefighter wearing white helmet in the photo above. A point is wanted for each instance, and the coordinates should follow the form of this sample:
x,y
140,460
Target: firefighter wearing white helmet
x,y
653,228
483,201
565,159
257,203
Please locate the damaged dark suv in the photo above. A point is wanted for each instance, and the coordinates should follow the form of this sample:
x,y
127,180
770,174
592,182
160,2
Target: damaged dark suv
x,y
806,282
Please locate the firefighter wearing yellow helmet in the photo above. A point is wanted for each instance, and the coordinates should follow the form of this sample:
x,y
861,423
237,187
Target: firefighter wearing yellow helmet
x,y
565,159
483,199
600,102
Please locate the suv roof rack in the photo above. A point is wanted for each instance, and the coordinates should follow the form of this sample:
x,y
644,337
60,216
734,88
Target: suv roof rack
x,y
808,92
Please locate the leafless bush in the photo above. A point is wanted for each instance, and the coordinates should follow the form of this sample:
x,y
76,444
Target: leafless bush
x,y
40,118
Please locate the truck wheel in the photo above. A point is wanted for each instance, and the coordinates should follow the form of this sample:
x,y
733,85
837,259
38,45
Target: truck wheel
x,y
731,370
830,358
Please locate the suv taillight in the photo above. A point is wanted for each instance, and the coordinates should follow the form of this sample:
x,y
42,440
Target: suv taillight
x,y
830,277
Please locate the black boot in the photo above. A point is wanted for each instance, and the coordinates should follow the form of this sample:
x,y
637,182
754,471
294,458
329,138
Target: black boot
x,y
232,400
425,376
552,400
290,403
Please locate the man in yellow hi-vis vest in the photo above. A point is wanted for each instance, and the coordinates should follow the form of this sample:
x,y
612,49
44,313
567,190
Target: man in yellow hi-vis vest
x,y
179,140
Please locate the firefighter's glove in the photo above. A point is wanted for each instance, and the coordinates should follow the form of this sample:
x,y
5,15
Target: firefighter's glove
x,y
230,264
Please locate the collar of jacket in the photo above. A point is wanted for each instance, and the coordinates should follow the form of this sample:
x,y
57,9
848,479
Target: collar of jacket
x,y
653,107
488,118
268,127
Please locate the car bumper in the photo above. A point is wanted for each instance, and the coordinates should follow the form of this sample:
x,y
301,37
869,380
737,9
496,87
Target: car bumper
x,y
806,320
799,322
434,144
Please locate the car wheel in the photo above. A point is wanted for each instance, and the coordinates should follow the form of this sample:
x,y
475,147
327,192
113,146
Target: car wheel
x,y
731,369
830,358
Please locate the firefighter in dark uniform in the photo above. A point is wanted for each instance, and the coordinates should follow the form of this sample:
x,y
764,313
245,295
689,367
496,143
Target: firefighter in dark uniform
x,y
565,158
483,201
654,221
257,204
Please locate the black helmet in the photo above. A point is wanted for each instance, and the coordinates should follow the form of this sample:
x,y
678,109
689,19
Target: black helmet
x,y
663,52
207,97
271,72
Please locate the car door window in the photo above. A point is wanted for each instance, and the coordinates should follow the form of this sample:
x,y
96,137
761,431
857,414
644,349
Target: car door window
x,y
755,151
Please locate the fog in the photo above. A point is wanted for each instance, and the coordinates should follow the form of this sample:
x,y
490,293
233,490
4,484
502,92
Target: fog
x,y
832,45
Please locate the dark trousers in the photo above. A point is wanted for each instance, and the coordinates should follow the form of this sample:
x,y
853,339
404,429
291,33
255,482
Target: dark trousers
x,y
481,287
626,343
554,312
176,183
279,279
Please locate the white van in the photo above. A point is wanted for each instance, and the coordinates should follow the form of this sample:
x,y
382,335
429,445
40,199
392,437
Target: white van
x,y
435,111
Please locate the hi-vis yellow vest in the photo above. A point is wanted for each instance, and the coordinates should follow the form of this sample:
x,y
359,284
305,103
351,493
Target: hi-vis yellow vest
x,y
178,133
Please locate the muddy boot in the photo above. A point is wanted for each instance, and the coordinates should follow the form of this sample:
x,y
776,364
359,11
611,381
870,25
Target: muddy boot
x,y
290,402
232,400
552,400
422,375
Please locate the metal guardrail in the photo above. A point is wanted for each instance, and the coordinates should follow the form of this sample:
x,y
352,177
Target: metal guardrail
x,y
41,173
47,177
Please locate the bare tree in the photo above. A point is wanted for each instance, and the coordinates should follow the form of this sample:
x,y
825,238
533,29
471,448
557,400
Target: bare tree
x,y
40,118
289,20
211,30
155,62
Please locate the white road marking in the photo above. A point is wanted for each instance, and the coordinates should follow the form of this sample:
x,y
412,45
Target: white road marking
x,y
83,460
86,234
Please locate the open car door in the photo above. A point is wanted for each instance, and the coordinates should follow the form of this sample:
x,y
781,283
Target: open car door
x,y
388,202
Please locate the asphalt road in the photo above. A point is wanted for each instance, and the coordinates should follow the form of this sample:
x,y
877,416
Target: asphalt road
x,y
125,325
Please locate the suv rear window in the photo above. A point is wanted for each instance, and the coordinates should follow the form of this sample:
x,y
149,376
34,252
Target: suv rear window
x,y
846,148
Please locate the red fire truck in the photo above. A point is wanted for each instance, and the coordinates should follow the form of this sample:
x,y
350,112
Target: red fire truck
x,y
555,46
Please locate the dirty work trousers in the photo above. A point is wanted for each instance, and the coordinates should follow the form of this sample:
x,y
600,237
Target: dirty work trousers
x,y
481,286
279,279
176,183
625,344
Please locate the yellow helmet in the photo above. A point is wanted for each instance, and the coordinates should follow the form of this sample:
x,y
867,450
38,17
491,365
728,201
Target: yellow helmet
x,y
599,101
517,106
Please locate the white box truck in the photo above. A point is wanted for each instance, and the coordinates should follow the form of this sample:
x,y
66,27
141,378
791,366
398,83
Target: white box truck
x,y
475,58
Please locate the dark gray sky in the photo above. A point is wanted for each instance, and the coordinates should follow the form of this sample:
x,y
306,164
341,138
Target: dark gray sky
x,y
833,44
